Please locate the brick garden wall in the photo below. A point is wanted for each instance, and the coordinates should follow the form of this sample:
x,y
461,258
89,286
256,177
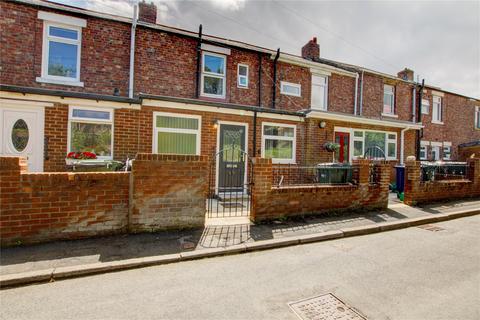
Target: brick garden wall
x,y
168,192
49,206
273,202
417,191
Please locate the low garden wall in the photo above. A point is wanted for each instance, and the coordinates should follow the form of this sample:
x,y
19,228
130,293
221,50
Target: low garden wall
x,y
48,206
418,191
270,202
168,192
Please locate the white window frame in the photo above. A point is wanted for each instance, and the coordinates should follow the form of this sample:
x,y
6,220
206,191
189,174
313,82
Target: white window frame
x,y
437,113
425,106
360,139
110,121
293,139
424,145
156,130
392,94
214,75
351,131
242,76
45,77
295,85
435,150
323,87
477,117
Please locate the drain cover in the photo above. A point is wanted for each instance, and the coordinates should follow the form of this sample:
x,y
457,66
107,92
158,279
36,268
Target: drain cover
x,y
431,227
324,307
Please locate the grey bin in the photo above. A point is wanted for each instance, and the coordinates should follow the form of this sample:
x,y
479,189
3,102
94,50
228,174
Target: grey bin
x,y
334,173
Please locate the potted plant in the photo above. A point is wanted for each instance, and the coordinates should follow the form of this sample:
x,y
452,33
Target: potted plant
x,y
331,146
77,157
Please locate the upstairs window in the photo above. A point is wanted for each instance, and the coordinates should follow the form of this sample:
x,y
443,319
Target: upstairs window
x,y
91,129
290,89
242,77
319,92
477,117
425,106
388,100
437,112
423,152
278,142
213,75
62,42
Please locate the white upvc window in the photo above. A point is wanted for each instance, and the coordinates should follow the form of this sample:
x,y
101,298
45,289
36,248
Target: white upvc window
x,y
369,140
435,153
425,106
279,142
423,152
242,76
213,80
175,133
319,92
477,117
388,100
437,110
91,129
61,49
290,89
447,151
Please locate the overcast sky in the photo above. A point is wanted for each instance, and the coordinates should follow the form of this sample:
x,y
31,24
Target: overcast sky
x,y
439,40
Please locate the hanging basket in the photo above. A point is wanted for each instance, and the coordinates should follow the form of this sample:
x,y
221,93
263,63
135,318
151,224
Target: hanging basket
x,y
331,146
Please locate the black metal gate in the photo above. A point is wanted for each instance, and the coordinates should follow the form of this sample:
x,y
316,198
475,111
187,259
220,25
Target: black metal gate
x,y
230,184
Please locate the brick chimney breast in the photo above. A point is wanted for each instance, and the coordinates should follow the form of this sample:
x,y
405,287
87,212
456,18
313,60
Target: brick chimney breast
x,y
406,74
147,12
311,50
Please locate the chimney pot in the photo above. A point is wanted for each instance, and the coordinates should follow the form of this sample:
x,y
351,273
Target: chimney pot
x,y
147,12
406,74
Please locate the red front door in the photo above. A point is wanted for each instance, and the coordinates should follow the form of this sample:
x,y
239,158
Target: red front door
x,y
342,154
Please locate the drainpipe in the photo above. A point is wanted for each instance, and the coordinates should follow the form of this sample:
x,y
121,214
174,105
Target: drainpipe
x,y
274,85
414,107
132,52
254,134
419,119
259,80
199,56
356,95
361,94
402,144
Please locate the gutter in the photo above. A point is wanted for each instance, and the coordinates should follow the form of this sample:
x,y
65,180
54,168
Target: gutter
x,y
132,52
274,85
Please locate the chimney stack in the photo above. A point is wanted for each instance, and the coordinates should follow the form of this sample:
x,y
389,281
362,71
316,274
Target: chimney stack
x,y
406,74
311,50
147,12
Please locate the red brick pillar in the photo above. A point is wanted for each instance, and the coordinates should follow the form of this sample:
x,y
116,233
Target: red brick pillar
x,y
412,181
363,169
473,170
262,184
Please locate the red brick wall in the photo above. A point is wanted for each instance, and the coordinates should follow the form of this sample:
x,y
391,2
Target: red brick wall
x,y
341,93
104,54
272,202
49,206
417,191
168,192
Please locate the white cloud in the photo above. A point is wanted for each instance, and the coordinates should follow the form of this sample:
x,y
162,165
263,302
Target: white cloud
x,y
232,5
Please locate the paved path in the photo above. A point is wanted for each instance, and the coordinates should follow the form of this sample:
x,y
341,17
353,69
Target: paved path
x,y
411,273
81,252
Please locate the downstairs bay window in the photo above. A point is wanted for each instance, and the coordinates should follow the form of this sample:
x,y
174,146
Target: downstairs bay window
x,y
91,130
176,133
278,142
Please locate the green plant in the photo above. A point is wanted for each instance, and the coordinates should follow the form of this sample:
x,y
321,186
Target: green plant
x,y
331,146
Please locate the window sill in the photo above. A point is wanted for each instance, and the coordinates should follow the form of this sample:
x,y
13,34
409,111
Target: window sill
x,y
437,122
212,96
240,87
61,82
291,95
281,161
318,108
389,115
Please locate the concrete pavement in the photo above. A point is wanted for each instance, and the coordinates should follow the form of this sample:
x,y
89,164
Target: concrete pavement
x,y
415,273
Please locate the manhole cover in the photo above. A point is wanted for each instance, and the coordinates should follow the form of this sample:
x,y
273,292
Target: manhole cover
x,y
324,307
431,227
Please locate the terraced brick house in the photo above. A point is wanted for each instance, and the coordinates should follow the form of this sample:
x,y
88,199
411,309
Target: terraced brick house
x,y
77,80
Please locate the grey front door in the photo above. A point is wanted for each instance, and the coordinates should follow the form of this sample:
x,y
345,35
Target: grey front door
x,y
231,158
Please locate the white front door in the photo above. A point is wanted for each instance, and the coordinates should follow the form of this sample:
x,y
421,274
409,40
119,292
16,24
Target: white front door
x,y
21,132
